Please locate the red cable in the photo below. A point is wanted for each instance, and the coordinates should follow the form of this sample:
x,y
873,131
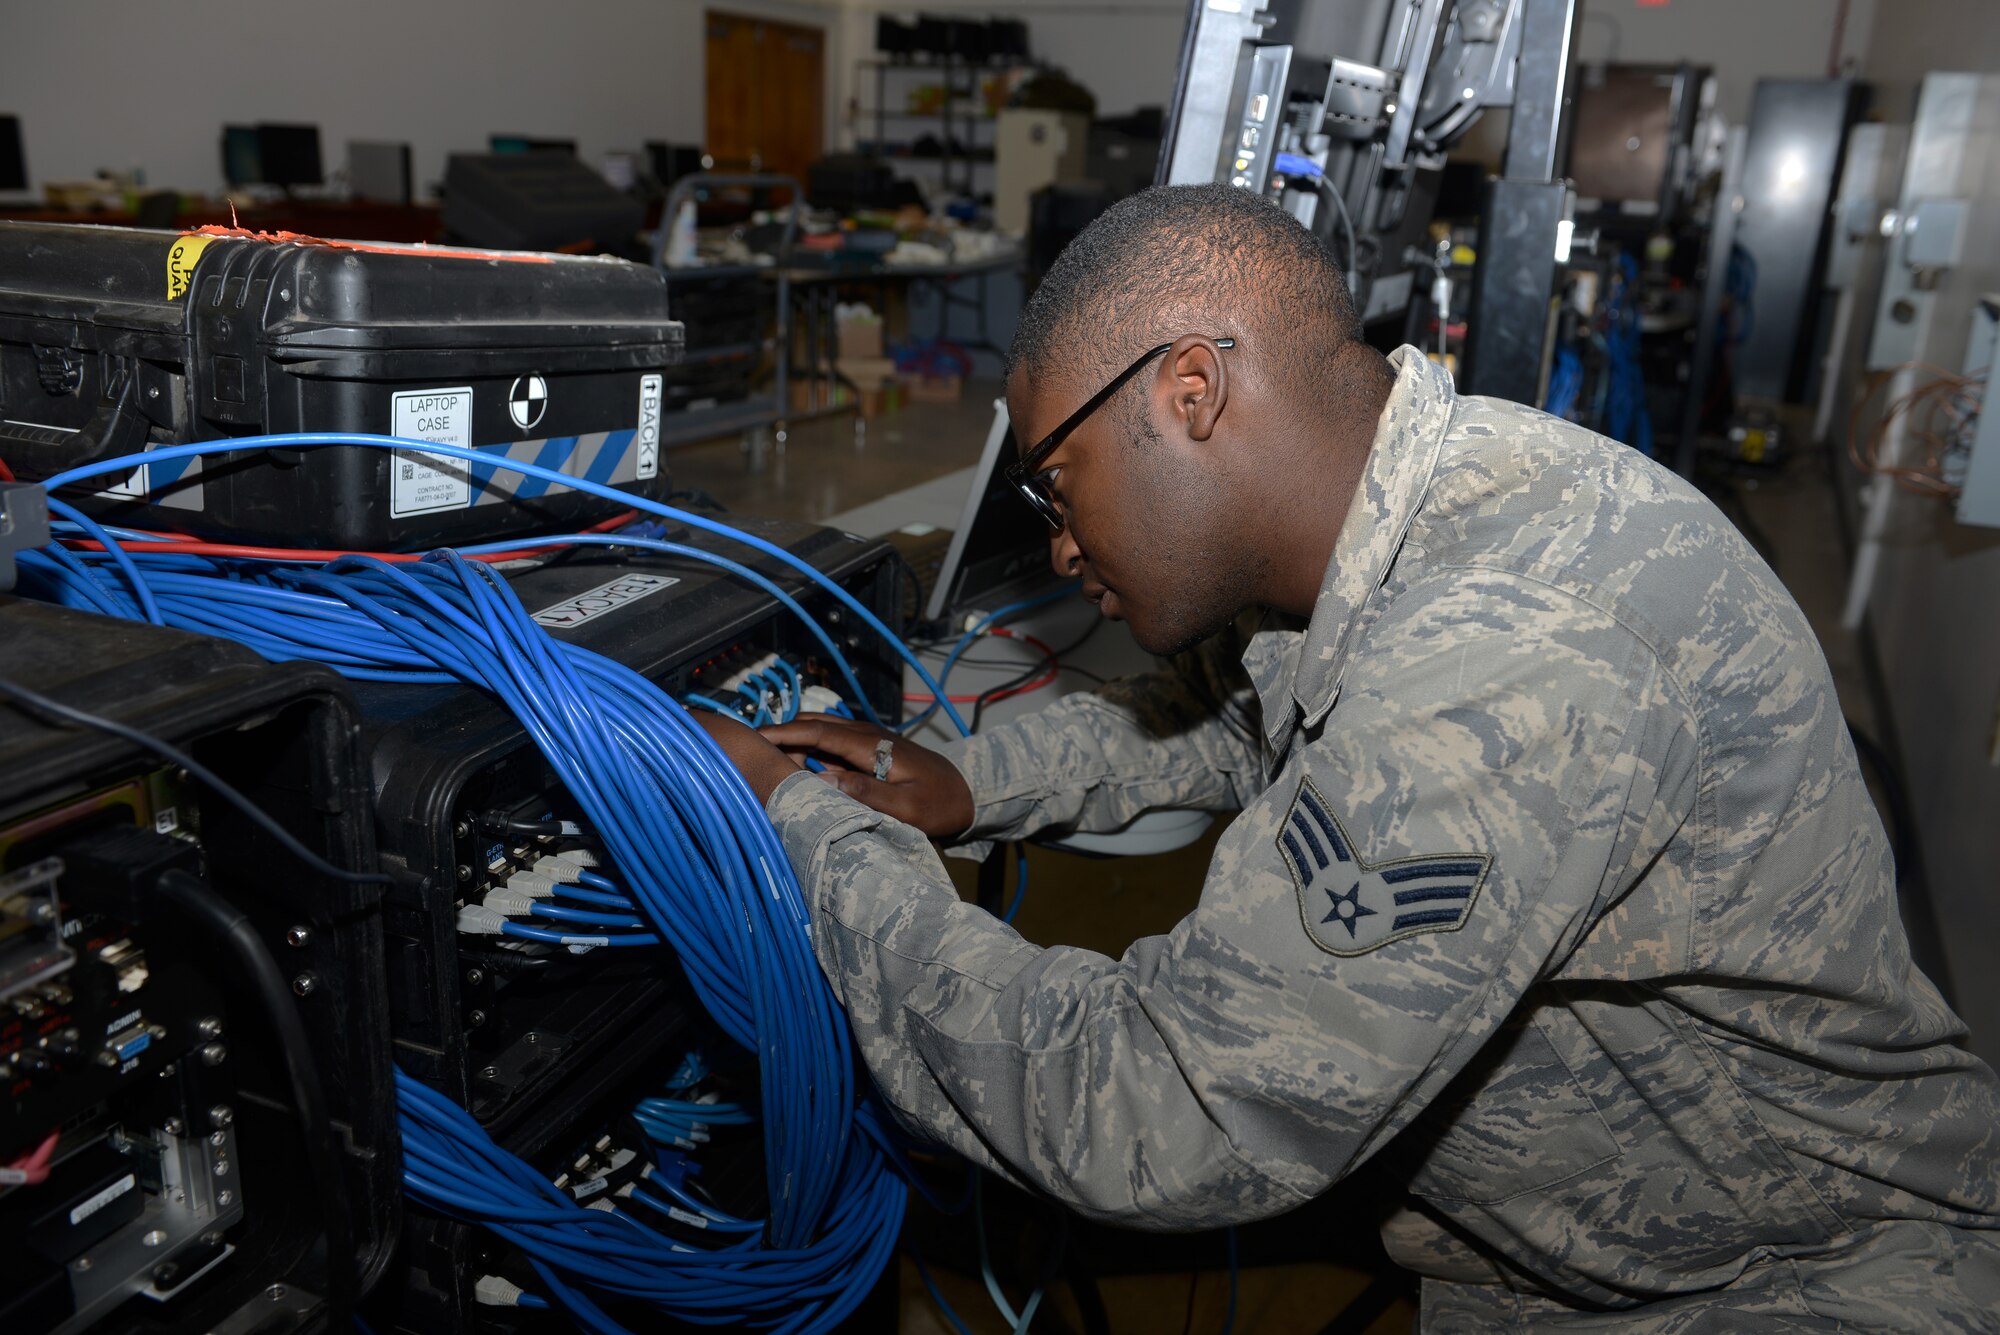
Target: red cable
x,y
6,473
186,546
34,1165
1054,670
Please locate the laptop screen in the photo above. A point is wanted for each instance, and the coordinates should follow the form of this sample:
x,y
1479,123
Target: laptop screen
x,y
1000,549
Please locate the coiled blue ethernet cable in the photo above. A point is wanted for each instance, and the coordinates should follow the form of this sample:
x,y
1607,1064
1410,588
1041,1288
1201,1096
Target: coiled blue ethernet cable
x,y
313,439
699,864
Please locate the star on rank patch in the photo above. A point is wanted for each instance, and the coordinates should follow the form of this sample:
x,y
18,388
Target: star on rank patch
x,y
1350,906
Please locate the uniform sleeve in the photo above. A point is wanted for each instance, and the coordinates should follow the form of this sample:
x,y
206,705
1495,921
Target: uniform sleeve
x,y
1463,802
1186,736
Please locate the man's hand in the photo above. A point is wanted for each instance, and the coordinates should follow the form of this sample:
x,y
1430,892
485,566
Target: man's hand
x,y
764,766
919,787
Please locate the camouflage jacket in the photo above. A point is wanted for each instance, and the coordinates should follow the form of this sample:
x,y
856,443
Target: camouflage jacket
x,y
1555,882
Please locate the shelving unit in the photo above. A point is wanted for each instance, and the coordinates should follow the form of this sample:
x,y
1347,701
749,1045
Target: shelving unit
x,y
962,126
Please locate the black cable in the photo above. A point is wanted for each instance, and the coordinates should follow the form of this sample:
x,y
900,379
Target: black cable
x,y
695,498
194,898
1043,662
1346,226
907,576
42,707
494,823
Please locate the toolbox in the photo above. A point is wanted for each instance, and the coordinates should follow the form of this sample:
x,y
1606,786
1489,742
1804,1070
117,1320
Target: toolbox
x,y
117,340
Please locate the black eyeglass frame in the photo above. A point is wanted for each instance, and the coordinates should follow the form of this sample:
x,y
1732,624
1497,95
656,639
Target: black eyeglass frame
x,y
1025,472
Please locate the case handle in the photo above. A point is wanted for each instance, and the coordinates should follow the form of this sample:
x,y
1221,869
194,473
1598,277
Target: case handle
x,y
116,427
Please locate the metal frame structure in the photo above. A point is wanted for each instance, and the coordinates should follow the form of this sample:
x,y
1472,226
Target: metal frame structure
x,y
1262,76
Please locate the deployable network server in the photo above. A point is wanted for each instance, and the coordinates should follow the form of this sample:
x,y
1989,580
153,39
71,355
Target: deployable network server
x,y
548,1047
117,340
164,1170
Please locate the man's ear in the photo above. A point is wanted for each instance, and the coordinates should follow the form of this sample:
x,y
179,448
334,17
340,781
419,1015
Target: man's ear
x,y
1199,383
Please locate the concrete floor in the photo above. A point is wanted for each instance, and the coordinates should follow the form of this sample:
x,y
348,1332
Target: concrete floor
x,y
828,467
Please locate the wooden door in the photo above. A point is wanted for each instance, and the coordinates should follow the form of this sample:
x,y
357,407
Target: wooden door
x,y
766,94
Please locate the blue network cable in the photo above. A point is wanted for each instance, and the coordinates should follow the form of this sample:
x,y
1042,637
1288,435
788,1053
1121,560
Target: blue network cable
x,y
702,872
491,461
453,1166
701,866
967,640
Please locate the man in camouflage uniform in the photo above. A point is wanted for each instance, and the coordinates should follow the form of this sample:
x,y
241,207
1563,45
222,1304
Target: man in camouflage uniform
x,y
1555,881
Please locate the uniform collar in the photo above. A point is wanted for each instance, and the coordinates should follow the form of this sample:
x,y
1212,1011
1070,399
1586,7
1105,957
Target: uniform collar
x,y
1401,461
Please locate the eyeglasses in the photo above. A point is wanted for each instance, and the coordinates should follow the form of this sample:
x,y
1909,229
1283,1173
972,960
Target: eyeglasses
x,y
1026,473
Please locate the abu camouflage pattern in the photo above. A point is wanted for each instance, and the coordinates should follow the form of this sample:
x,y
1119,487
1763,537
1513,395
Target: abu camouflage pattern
x,y
1370,905
1670,1069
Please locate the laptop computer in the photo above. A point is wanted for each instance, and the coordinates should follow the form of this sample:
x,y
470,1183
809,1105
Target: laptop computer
x,y
999,550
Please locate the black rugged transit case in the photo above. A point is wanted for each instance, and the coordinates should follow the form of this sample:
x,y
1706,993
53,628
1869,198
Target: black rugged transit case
x,y
115,340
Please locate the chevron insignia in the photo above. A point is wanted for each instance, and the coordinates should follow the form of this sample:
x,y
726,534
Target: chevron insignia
x,y
1351,906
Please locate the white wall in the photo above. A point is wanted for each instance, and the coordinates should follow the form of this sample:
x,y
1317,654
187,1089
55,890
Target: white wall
x,y
1741,40
117,83
114,83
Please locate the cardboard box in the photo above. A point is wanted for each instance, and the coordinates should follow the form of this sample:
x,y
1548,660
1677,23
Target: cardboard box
x,y
882,400
867,372
935,388
860,339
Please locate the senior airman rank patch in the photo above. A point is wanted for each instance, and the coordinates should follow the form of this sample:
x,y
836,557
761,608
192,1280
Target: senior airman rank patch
x,y
1350,906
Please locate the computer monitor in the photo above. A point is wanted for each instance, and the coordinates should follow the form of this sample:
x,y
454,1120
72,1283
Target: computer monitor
x,y
535,201
242,157
13,162
289,155
379,172
521,143
670,162
1000,550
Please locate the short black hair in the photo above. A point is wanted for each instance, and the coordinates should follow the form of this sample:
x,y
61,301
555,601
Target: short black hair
x,y
1176,253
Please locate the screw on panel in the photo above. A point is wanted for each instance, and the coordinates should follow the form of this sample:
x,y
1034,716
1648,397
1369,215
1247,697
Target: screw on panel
x,y
474,977
460,830
209,1026
218,1138
225,1199
464,872
164,1274
475,1018
305,984
220,1115
212,1238
174,1126
299,936
222,1168
81,1263
154,1237
214,1054
488,1072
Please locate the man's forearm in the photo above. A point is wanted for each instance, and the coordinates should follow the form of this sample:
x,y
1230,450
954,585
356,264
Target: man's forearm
x,y
1095,761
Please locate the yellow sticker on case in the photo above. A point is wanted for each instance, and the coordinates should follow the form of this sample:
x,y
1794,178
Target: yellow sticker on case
x,y
181,257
